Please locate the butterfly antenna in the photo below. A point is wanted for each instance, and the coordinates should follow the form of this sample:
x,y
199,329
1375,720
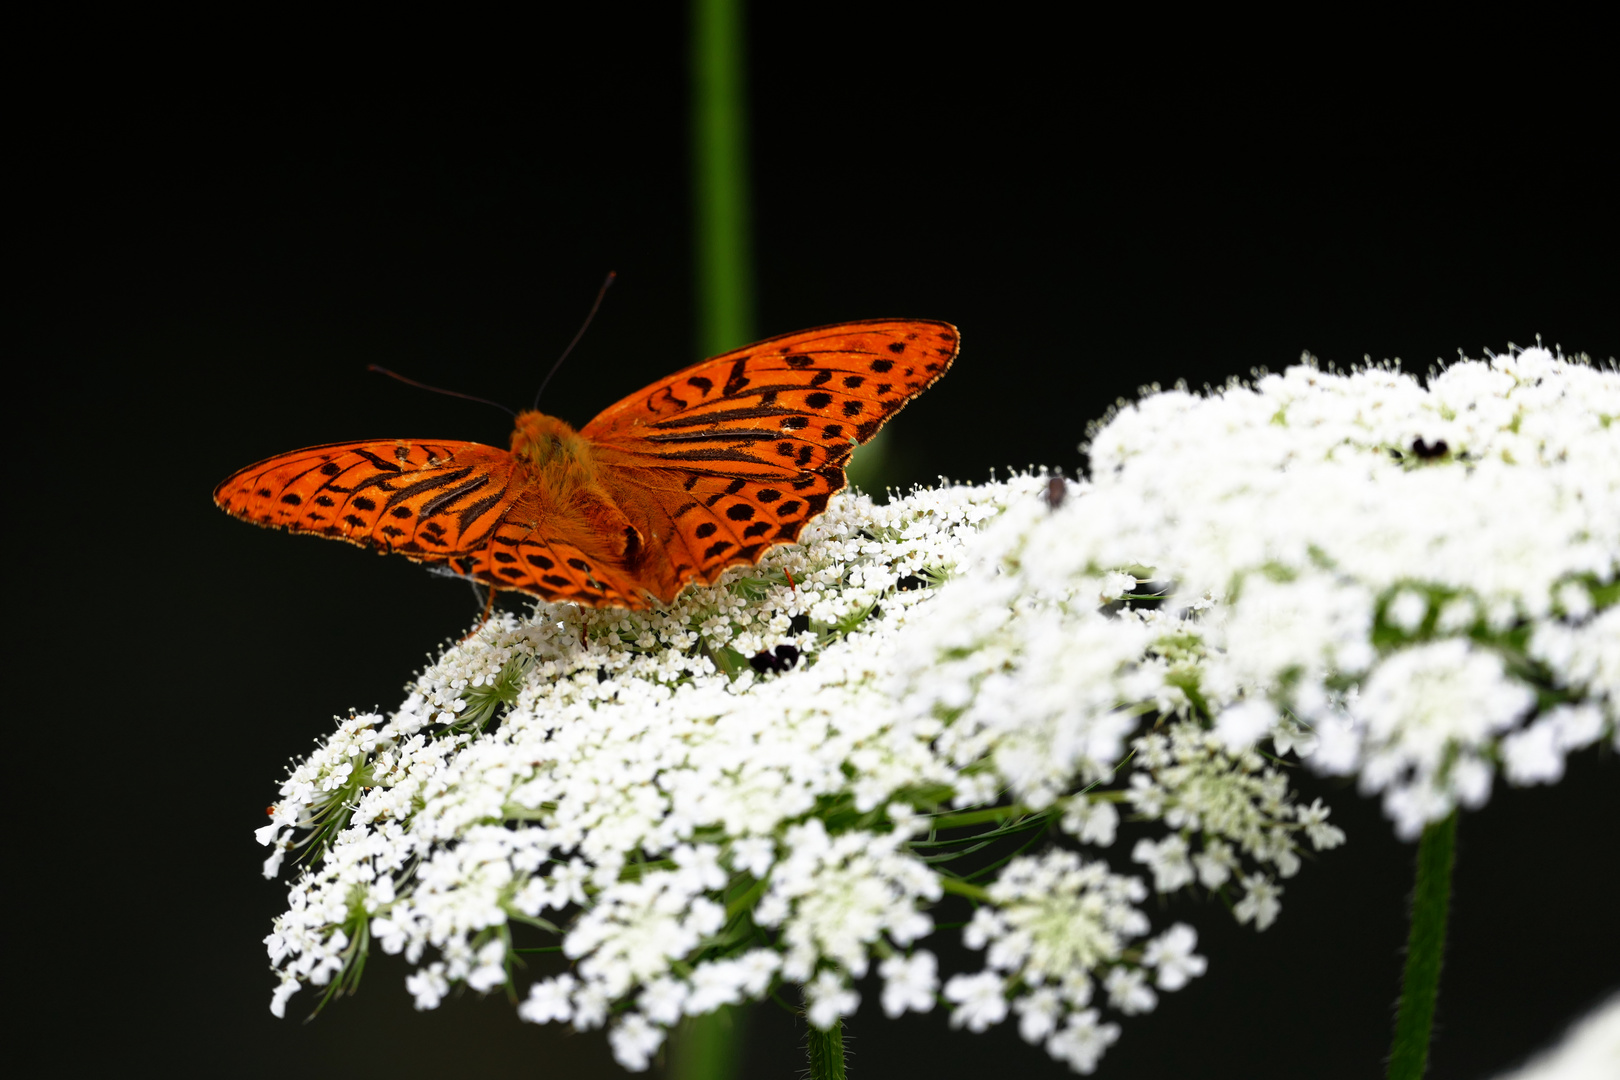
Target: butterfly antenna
x,y
379,369
582,327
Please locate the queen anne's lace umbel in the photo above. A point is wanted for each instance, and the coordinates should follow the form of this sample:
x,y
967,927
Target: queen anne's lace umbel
x,y
766,784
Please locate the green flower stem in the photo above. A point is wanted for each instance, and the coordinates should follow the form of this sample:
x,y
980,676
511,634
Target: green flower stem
x,y
1431,901
978,817
964,888
827,1053
725,275
706,1047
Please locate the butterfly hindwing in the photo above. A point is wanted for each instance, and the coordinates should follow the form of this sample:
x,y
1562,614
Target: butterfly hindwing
x,y
426,500
701,523
518,557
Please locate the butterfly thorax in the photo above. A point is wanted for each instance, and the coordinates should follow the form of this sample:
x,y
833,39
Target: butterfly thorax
x,y
549,443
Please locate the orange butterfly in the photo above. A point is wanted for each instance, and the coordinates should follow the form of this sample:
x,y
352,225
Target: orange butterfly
x,y
709,467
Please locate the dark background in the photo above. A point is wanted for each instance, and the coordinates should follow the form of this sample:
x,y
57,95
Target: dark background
x,y
208,255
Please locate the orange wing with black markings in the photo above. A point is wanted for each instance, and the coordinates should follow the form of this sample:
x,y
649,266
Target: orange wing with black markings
x,y
737,453
705,469
424,499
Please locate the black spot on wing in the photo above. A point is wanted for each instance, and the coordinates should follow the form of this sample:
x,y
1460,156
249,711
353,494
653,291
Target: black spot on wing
x,y
738,378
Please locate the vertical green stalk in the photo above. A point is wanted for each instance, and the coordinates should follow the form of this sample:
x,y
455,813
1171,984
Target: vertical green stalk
x,y
827,1053
1431,901
707,1047
725,272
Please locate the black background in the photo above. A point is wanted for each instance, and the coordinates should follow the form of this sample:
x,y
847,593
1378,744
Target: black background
x,y
210,254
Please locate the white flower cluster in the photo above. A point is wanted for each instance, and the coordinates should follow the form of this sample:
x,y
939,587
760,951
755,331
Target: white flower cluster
x,y
1414,584
776,780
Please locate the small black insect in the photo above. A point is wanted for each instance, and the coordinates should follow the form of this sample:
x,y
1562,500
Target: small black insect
x,y
779,659
1429,451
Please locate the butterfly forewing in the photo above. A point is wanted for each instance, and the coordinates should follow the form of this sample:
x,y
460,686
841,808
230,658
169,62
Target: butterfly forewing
x,y
783,405
427,500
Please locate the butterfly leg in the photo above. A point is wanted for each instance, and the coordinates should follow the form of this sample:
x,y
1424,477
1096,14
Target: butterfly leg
x,y
489,609
791,583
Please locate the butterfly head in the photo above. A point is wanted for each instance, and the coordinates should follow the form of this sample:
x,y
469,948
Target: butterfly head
x,y
547,441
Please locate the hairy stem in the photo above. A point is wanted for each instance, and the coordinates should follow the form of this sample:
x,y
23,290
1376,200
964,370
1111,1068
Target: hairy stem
x,y
827,1053
1431,901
